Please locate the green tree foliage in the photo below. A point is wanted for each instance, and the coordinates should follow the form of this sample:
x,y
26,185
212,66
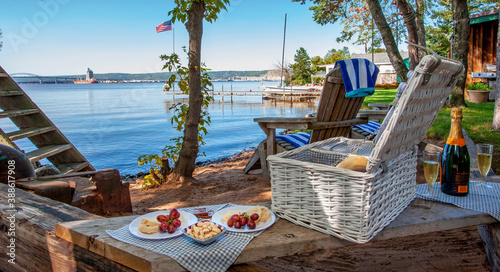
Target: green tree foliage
x,y
301,69
438,35
192,13
440,29
315,68
191,117
335,55
355,16
159,169
315,63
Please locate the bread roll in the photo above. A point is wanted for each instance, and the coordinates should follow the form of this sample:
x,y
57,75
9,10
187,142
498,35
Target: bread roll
x,y
148,226
355,163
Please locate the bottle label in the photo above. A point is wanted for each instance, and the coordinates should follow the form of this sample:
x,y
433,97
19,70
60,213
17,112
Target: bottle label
x,y
461,182
460,142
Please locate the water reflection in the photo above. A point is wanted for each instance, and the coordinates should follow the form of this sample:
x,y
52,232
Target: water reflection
x,y
90,100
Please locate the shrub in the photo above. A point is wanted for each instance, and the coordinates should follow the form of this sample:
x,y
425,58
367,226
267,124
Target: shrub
x,y
478,86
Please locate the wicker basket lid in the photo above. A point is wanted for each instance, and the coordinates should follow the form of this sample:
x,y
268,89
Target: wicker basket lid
x,y
425,94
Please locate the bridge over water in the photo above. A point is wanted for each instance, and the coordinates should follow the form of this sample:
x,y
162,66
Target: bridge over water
x,y
34,78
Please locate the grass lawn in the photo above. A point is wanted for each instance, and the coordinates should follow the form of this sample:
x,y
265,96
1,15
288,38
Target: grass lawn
x,y
477,120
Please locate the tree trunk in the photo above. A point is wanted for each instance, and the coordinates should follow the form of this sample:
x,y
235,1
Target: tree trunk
x,y
411,26
388,38
185,165
460,48
496,114
420,10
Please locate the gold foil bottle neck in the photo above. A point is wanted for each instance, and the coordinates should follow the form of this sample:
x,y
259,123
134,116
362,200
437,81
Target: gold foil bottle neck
x,y
456,113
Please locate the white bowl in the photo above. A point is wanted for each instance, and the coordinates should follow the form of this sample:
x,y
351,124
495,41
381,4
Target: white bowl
x,y
208,240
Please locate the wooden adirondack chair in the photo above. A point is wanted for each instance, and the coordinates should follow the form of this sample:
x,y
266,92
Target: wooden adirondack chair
x,y
336,114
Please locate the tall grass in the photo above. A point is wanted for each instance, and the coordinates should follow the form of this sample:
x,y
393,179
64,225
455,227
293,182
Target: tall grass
x,y
477,120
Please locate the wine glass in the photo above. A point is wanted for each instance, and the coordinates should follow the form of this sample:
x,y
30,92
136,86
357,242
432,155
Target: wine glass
x,y
431,168
484,155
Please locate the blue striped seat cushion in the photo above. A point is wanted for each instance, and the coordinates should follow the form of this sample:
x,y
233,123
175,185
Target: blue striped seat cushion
x,y
297,139
369,127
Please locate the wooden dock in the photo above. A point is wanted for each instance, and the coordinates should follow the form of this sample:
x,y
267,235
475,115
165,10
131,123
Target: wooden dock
x,y
277,95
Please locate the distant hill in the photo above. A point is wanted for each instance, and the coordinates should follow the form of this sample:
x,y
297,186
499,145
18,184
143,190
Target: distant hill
x,y
163,76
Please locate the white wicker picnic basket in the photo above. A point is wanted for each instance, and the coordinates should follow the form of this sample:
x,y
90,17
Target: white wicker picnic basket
x,y
307,188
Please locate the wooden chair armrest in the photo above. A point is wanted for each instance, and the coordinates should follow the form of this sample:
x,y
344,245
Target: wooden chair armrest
x,y
285,123
372,114
284,119
344,123
379,106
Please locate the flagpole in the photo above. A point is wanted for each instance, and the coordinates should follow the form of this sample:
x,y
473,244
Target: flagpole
x,y
283,56
173,50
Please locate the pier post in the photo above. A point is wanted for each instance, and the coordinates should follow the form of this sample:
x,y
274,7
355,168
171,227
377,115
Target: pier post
x,y
231,93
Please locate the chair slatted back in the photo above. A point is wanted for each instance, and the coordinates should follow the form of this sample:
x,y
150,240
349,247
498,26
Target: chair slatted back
x,y
334,106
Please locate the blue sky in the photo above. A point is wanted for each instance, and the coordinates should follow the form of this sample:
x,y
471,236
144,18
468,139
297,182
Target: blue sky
x,y
64,37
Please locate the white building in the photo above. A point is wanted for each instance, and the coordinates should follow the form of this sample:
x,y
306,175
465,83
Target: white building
x,y
387,73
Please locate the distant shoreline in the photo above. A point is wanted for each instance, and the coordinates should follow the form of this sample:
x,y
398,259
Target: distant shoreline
x,y
145,81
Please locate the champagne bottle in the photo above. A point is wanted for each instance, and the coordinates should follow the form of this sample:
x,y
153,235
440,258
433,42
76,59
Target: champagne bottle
x,y
455,160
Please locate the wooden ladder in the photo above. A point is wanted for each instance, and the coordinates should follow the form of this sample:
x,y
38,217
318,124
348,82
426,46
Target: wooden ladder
x,y
37,127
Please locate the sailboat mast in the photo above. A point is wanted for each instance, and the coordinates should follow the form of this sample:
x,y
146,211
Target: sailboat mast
x,y
283,54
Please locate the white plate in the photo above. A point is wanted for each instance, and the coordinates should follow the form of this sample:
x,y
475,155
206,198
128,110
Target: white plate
x,y
260,226
133,227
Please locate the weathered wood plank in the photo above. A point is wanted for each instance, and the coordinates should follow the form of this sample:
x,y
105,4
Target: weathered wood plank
x,y
284,120
282,239
68,168
28,132
10,93
47,151
337,124
379,106
490,234
15,113
372,114
37,248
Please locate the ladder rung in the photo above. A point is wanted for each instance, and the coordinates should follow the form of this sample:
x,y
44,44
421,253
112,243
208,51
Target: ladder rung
x,y
72,167
47,151
14,113
10,93
28,132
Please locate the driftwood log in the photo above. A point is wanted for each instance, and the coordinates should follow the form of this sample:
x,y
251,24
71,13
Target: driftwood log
x,y
28,234
112,196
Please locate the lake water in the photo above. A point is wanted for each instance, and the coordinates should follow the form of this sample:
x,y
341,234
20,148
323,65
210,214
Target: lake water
x,y
113,124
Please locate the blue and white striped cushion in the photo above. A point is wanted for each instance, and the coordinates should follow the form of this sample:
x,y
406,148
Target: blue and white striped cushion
x,y
370,127
297,139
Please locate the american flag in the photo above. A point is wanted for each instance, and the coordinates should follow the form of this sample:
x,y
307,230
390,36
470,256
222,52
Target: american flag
x,y
166,26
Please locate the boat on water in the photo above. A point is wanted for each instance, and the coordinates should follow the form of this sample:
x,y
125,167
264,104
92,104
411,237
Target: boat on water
x,y
89,79
272,92
85,81
292,92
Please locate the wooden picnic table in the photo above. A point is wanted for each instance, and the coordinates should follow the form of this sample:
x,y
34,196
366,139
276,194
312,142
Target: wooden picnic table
x,y
282,239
